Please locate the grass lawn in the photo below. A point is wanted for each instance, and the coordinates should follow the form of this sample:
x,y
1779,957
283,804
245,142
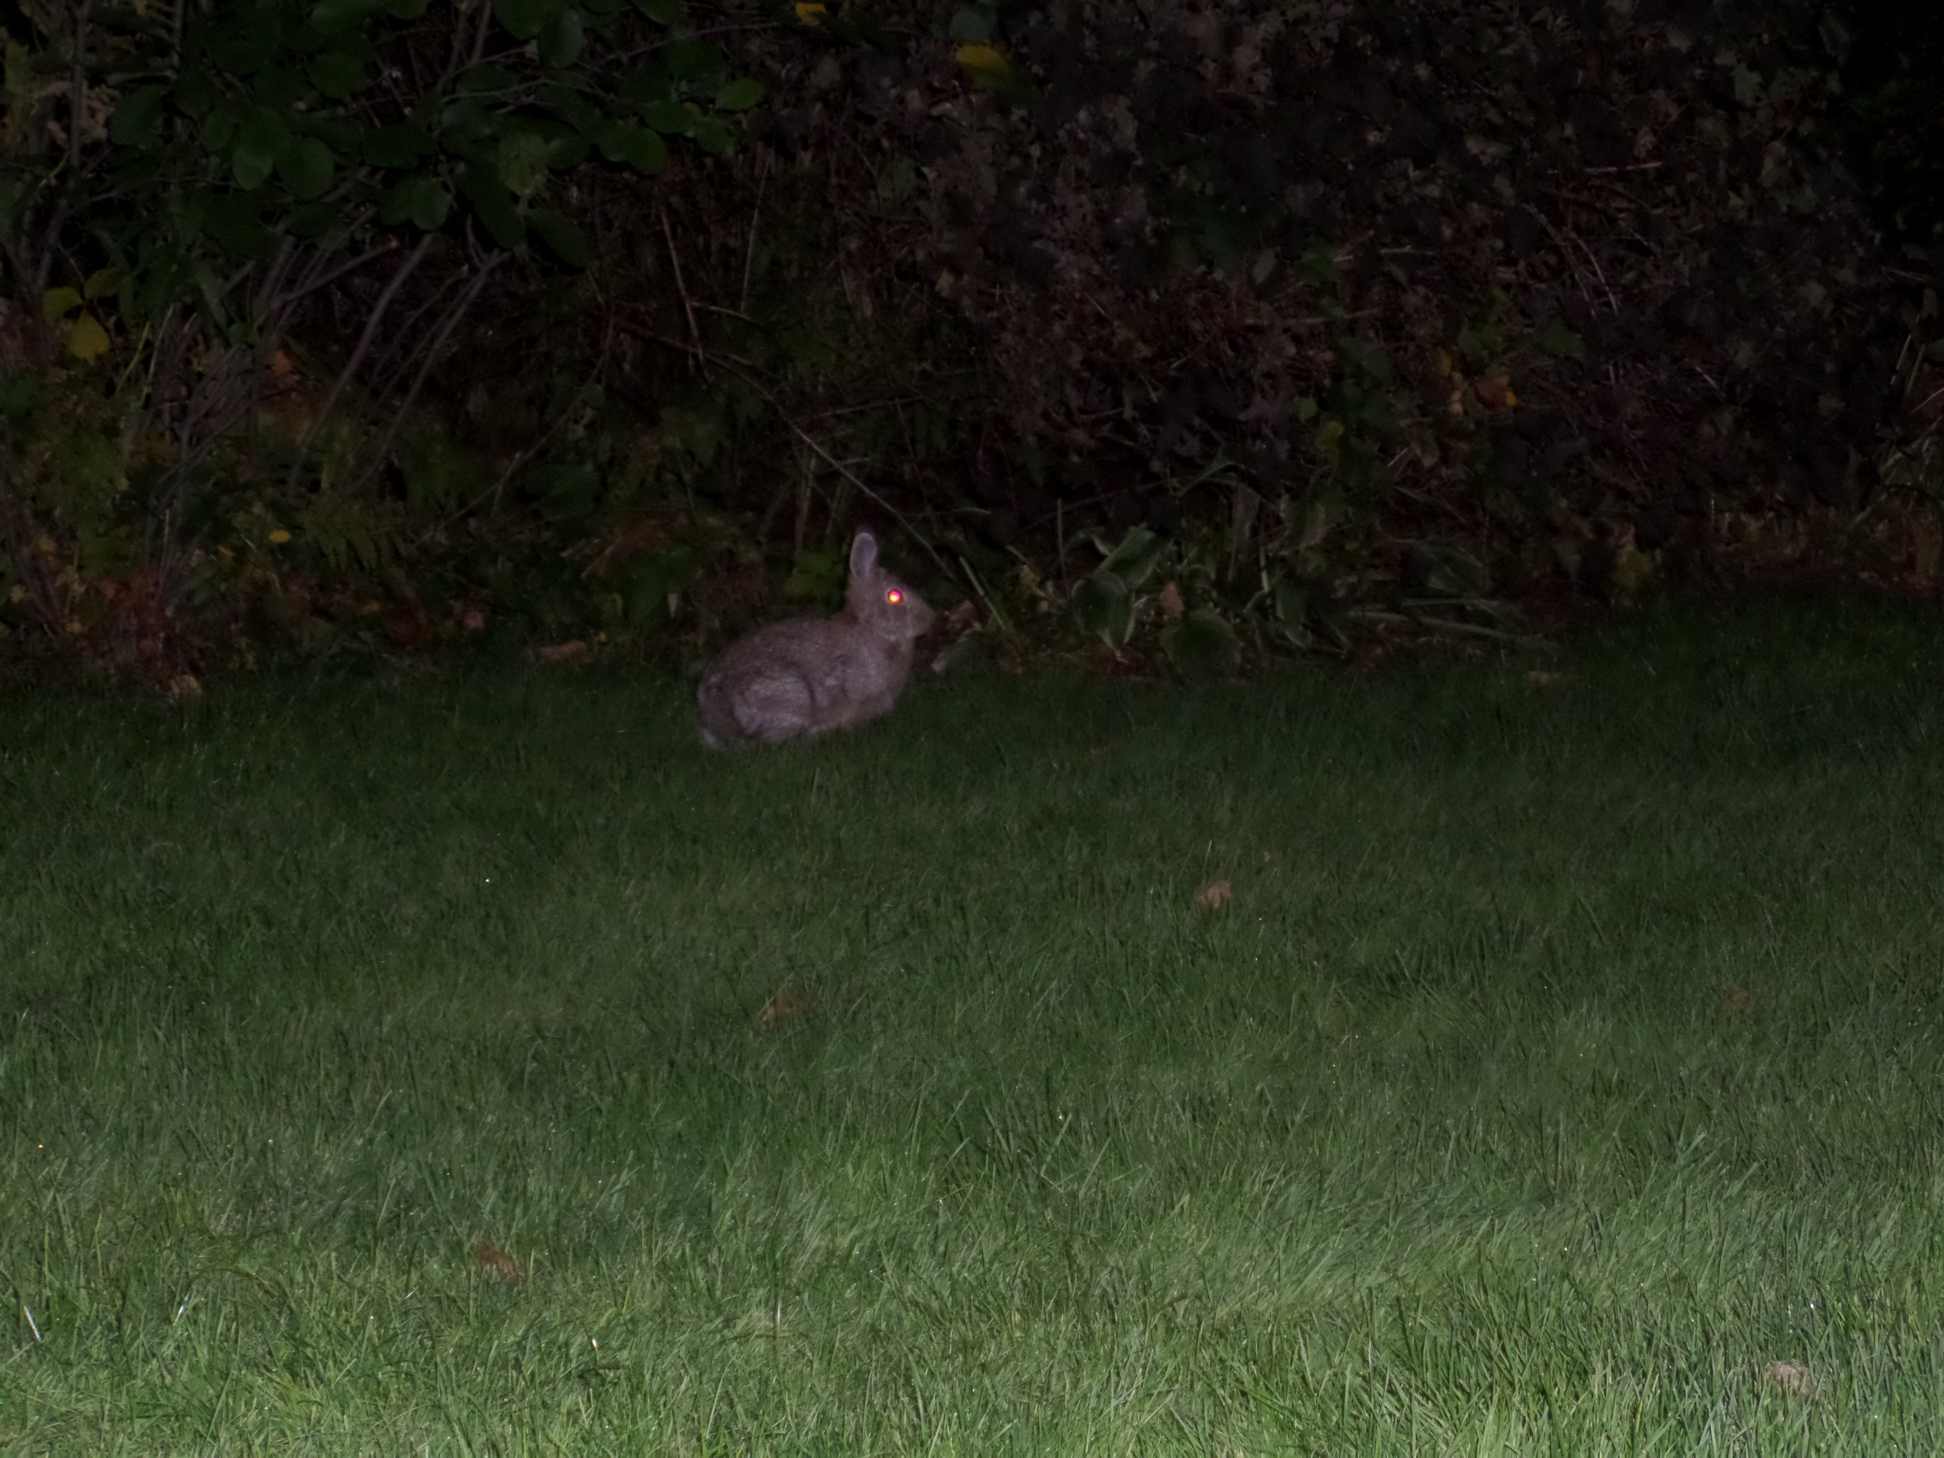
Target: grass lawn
x,y
476,1065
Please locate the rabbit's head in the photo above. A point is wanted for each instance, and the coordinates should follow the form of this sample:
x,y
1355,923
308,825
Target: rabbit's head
x,y
884,604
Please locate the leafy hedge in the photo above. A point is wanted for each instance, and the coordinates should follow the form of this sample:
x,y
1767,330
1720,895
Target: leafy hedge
x,y
1220,331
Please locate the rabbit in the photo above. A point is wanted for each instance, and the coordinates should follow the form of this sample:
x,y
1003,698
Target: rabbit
x,y
804,676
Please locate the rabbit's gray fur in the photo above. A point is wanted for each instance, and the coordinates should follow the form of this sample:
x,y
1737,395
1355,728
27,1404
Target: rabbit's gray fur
x,y
806,675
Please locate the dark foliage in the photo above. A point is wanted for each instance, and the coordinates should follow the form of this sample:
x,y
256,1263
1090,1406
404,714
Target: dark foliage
x,y
1218,329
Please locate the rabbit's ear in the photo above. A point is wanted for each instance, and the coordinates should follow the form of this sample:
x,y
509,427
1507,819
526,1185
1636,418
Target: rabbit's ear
x,y
863,554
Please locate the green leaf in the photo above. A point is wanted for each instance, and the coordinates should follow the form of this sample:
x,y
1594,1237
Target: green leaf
x,y
488,78
1561,342
246,45
573,107
566,490
970,24
672,118
525,19
493,205
1103,606
639,147
1135,558
815,576
1368,356
313,220
1202,645
522,161
421,201
1292,602
397,146
138,120
195,93
566,146
562,38
713,135
340,17
662,12
651,579
647,85
20,395
405,9
262,139
281,89
562,235
338,74
695,62
307,168
739,94
219,129
234,222
467,124
101,283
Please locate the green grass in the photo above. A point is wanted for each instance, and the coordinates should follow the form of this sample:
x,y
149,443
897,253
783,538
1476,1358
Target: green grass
x,y
1568,1054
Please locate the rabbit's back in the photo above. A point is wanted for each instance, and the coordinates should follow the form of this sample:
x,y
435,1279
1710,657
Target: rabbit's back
x,y
807,675
801,676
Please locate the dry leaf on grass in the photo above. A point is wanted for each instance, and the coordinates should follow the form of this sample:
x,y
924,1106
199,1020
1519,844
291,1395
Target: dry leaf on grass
x,y
1791,1377
1737,999
496,1262
572,651
1172,607
1214,896
787,1005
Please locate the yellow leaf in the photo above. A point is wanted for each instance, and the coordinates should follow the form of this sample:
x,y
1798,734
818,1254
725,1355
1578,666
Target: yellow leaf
x,y
811,14
59,303
279,537
1215,896
984,60
87,340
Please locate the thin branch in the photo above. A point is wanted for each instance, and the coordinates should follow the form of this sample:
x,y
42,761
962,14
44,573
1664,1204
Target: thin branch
x,y
520,458
388,368
432,353
755,217
681,288
843,470
363,347
78,85
684,347
350,265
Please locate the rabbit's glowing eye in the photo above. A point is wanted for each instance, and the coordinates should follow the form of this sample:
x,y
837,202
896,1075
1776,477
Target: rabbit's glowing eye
x,y
894,596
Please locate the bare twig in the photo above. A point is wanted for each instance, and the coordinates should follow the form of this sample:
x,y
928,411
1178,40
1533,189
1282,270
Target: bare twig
x,y
743,370
363,347
561,418
755,216
389,368
681,288
432,353
686,348
77,124
327,278
1567,258
78,85
459,56
817,447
